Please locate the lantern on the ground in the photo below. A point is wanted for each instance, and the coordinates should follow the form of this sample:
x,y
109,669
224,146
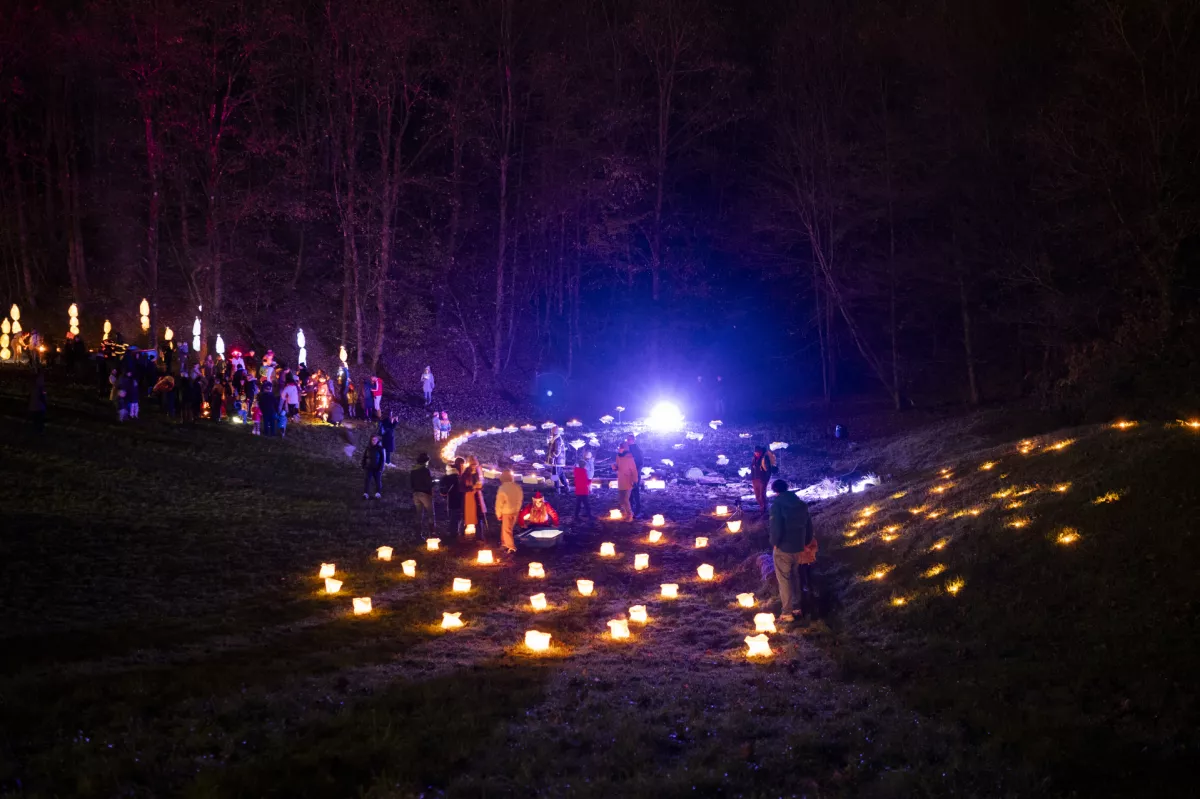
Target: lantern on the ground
x,y
614,514
758,646
655,484
327,570
613,484
701,542
536,570
658,520
670,590
618,629
722,510
461,585
107,329
384,553
538,601
641,561
144,310
332,586
537,641
469,530
432,543
608,550
734,525
484,558
705,571
638,613
764,622
342,354
746,600
195,335
451,621
220,346
362,604
409,567
655,536
585,587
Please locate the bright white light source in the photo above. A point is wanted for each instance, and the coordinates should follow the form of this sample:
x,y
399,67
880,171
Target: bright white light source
x,y
746,600
638,613
641,561
608,550
665,418
220,345
327,570
362,605
764,622
384,553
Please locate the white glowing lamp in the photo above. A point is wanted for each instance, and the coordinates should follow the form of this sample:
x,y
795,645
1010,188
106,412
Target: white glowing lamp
x,y
461,585
469,530
746,600
6,327
658,520
655,536
107,329
362,605
384,553
327,570
15,313
722,510
638,613
16,327
144,308
332,586
656,485
409,567
196,327
705,571
618,629
484,558
451,621
537,641
764,622
536,570
300,339
342,354
220,346
5,352
608,550
614,514
641,561
613,484
758,646
168,334
585,587
734,525
432,544
670,590
701,542
538,601
303,355
73,311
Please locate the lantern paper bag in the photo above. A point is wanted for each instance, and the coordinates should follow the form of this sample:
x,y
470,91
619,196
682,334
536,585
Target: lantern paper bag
x,y
701,542
608,550
485,557
537,641
614,514
536,570
746,600
469,530
670,590
327,570
362,604
658,520
332,586
538,601
705,571
641,561
432,543
638,613
451,621
722,510
758,646
764,622
384,553
585,586
618,629
409,567
655,536
461,585
734,525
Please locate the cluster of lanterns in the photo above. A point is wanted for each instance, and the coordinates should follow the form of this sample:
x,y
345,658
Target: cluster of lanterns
x,y
73,319
8,329
144,310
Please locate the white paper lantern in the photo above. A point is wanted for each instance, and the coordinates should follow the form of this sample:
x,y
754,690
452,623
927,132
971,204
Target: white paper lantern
x,y
538,601
327,570
670,590
15,313
168,335
615,514
638,613
461,585
220,345
332,586
484,558
746,600
764,622
608,550
362,604
432,543
658,520
342,355
734,525
451,621
758,646
409,567
300,339
585,587
469,530
384,553
701,542
618,629
655,536
537,641
705,571
641,561
722,510
536,570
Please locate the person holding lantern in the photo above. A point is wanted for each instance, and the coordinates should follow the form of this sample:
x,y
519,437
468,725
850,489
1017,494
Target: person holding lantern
x,y
538,513
794,549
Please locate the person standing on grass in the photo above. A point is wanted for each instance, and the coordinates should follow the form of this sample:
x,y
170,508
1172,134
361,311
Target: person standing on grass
x,y
509,498
268,403
627,480
451,489
377,396
762,468
635,493
444,426
474,509
290,397
372,463
421,483
794,549
583,490
427,386
387,434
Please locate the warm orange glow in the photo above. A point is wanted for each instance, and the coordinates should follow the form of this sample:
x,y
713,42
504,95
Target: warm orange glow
x,y
484,558
658,520
722,510
432,543
1014,505
917,511
1111,496
868,511
654,537
879,573
409,567
705,571
701,542
327,570
384,553
638,613
670,590
461,585
332,586
1062,488
1067,537
641,561
939,545
764,622
537,641
585,587
608,550
942,489
734,525
758,646
615,514
954,586
987,467
1019,523
933,514
1059,446
362,605
451,621
746,600
538,601
536,570
618,629
1123,425
934,570
900,495
898,601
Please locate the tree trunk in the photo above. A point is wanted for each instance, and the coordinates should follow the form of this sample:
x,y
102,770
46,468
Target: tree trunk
x,y
19,205
504,58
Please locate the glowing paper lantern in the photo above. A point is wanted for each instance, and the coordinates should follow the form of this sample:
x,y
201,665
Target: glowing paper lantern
x,y
168,334
6,326
300,339
461,585
641,561
451,621
15,313
614,514
746,600
612,484
722,510
144,310
701,542
362,604
432,543
342,354
585,587
484,558
409,567
608,550
705,571
469,530
655,536
332,586
670,590
327,570
764,622
658,520
758,646
536,570
536,641
384,553
638,613
538,601
618,629
107,329
220,346
734,525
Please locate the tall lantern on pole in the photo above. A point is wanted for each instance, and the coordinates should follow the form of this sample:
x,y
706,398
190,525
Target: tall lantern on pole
x,y
220,346
107,329
15,313
196,336
342,355
5,329
144,309
73,317
300,343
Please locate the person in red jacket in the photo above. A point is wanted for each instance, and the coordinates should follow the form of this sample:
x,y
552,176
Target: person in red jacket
x,y
377,396
583,489
537,513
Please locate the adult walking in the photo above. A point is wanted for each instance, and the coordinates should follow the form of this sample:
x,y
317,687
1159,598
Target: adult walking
x,y
635,494
420,480
427,386
627,480
794,550
508,504
372,463
268,403
762,468
387,435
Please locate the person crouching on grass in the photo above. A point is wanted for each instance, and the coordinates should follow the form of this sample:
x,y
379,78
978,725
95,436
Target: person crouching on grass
x,y
794,549
537,513
372,463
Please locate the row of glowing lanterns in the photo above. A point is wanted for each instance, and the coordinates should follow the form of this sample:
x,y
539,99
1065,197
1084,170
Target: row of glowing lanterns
x,y
8,329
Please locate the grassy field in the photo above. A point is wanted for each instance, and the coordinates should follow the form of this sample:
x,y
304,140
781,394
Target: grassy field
x,y
164,632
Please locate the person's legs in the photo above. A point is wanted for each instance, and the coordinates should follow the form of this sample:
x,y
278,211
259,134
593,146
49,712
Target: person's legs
x,y
506,531
802,570
623,503
760,494
578,504
587,505
635,499
785,569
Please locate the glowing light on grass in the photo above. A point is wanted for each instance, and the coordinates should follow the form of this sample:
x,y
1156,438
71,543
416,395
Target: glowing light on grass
x,y
1005,494
528,428
537,641
1019,523
939,545
384,553
669,590
917,511
701,542
461,585
1024,492
655,536
942,489
734,525
934,570
1124,425
1014,505
362,605
987,467
538,601
746,600
432,544
332,586
888,538
615,514
879,573
850,533
608,550
934,514
1104,499
658,520
585,587
1062,488
536,570
327,570
451,621
722,510
1026,446
868,511
606,419
638,613
758,646
1194,424
665,417
469,530
641,561
861,523
955,585
409,567
618,629
764,622
899,601
705,571
1059,446
1067,537
484,558
900,495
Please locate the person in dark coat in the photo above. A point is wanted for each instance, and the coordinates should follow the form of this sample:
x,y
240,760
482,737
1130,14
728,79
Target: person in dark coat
x,y
635,494
421,483
372,463
794,548
268,403
387,437
451,489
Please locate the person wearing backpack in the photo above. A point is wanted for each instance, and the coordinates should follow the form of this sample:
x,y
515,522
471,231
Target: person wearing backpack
x,y
762,468
372,463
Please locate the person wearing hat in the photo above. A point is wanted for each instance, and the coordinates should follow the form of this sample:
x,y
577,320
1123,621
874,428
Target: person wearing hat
x,y
537,513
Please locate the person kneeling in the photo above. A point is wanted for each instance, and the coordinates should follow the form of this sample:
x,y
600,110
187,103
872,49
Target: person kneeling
x,y
537,513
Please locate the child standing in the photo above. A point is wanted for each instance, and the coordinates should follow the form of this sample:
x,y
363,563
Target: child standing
x,y
257,416
437,427
583,490
445,426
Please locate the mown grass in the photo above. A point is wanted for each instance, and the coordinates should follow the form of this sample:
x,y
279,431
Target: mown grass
x,y
164,632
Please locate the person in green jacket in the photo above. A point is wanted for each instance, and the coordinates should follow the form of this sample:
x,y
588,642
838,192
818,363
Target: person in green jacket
x,y
794,548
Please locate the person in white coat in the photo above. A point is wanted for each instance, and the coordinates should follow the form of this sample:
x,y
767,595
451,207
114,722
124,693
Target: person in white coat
x,y
509,498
